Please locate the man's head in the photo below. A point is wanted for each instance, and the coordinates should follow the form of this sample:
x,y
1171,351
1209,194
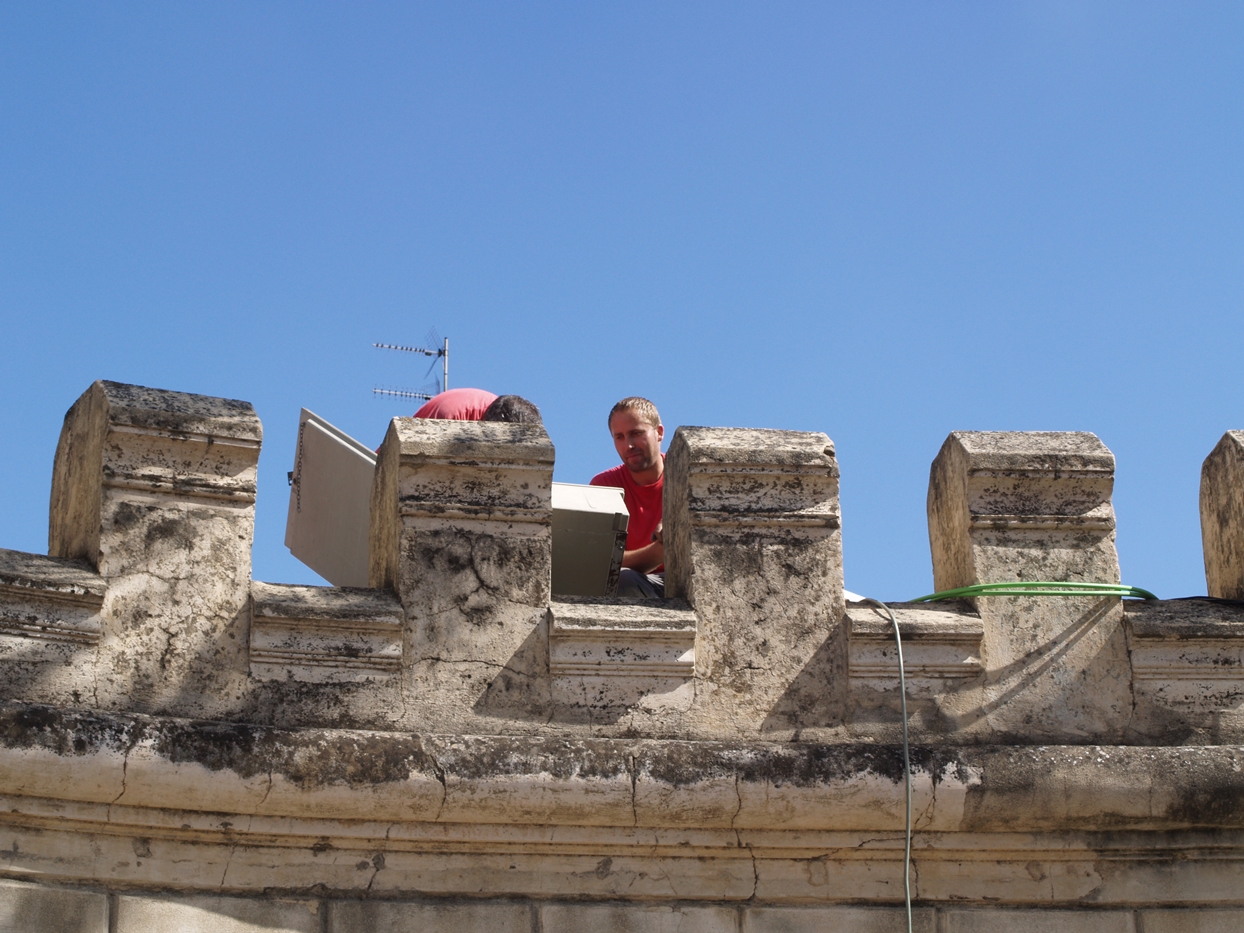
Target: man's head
x,y
637,432
513,408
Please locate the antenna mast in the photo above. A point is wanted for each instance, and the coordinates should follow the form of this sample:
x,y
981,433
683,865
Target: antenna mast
x,y
441,353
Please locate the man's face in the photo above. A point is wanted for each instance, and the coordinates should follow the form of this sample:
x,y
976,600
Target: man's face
x,y
638,443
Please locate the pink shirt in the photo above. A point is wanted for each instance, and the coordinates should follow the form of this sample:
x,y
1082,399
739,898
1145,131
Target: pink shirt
x,y
457,405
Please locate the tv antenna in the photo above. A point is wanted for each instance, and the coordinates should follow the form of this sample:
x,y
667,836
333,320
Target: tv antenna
x,y
435,387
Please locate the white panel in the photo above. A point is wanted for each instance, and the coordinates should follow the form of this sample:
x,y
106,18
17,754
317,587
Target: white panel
x,y
330,502
589,537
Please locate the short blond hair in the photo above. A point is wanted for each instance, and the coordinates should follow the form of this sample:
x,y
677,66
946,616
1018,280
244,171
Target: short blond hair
x,y
643,409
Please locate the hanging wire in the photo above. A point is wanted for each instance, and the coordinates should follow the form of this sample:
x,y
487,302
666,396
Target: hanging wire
x,y
1017,588
902,690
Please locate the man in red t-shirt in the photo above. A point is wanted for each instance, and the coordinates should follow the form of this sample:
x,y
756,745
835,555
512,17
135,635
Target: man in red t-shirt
x,y
478,405
457,405
637,432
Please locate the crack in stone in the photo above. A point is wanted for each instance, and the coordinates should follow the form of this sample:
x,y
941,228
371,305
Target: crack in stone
x,y
755,868
228,861
738,796
440,776
125,768
872,839
927,813
266,792
634,769
437,658
377,862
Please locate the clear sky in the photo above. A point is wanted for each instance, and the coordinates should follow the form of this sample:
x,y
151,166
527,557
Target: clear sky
x,y
884,221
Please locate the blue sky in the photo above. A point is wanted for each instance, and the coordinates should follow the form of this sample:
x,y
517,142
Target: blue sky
x,y
883,221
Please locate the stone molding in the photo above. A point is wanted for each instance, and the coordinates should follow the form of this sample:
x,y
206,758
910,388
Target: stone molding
x,y
201,805
940,646
1187,667
49,599
616,654
590,637
315,634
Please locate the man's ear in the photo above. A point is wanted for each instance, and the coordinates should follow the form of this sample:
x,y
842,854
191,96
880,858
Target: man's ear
x,y
660,432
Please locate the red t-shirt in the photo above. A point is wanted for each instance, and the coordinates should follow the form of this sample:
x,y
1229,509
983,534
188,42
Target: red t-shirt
x,y
643,502
457,405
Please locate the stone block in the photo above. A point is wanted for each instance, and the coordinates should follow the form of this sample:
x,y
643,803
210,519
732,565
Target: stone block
x,y
168,913
753,542
608,654
941,652
993,920
443,916
156,490
319,634
837,920
37,908
636,918
1010,506
1187,668
1222,517
461,528
1190,921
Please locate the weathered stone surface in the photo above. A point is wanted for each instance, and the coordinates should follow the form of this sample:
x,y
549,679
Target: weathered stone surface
x,y
453,750
156,490
608,655
1222,517
318,634
1187,670
216,915
1034,921
452,916
836,920
633,918
1008,506
461,529
49,607
941,653
753,542
34,908
1190,921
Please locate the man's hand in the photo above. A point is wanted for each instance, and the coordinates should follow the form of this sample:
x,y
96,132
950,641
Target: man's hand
x,y
646,559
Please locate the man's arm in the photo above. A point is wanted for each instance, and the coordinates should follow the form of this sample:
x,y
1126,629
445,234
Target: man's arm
x,y
647,558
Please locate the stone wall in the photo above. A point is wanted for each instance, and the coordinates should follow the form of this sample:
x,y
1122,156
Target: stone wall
x,y
185,748
42,909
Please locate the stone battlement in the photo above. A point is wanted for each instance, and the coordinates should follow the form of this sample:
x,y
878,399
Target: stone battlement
x,y
457,730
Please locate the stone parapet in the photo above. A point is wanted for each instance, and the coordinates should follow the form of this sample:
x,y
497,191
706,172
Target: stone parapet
x,y
182,747
753,542
155,491
461,529
1009,506
942,654
48,603
1222,517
